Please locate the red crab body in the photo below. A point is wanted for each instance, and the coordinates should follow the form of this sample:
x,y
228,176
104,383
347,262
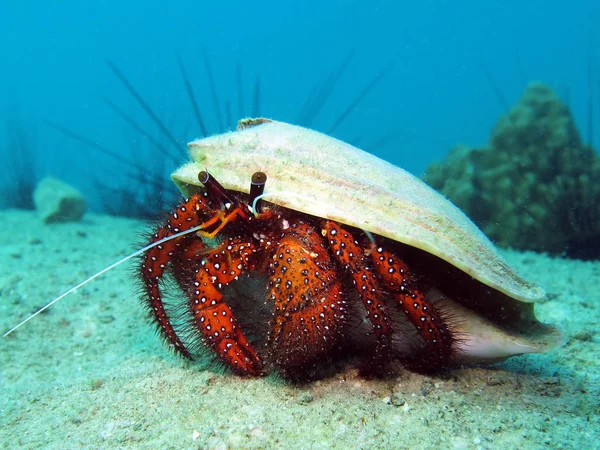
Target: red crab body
x,y
309,264
322,280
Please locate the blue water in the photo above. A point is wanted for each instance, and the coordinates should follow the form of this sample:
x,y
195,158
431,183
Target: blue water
x,y
433,93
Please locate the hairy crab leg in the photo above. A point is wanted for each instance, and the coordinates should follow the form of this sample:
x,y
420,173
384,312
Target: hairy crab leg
x,y
217,267
235,347
428,321
217,323
309,309
352,257
156,260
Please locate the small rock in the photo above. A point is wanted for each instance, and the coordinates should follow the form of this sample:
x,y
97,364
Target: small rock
x,y
494,380
106,318
426,387
304,398
57,201
397,400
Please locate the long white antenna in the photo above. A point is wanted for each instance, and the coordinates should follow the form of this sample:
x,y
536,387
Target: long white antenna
x,y
103,271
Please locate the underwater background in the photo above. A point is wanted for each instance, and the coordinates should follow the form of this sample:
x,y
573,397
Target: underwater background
x,y
447,71
494,104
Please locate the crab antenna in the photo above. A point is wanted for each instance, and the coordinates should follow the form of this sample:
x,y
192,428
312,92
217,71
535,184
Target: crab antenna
x,y
102,272
257,187
325,206
370,237
215,189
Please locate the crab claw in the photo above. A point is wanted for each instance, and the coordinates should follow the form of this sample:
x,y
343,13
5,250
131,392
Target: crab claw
x,y
241,358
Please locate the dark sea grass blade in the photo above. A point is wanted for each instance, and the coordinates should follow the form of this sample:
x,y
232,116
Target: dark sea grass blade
x,y
130,164
495,88
21,163
323,95
228,117
119,202
590,99
300,119
380,143
145,107
192,97
240,90
144,196
361,95
213,90
143,133
256,98
522,77
90,143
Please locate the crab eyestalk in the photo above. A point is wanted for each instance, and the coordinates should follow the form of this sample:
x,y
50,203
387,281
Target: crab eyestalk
x,y
257,187
214,188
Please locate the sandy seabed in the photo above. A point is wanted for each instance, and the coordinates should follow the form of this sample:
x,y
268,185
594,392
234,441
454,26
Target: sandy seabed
x,y
90,372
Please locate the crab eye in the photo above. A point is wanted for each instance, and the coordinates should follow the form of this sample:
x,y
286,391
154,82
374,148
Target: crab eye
x,y
203,177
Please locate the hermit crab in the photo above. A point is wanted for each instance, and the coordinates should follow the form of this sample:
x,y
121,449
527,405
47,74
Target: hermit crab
x,y
294,250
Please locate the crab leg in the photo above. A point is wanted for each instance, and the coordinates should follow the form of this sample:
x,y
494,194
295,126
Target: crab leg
x,y
219,326
187,215
156,260
348,252
429,323
219,266
309,310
